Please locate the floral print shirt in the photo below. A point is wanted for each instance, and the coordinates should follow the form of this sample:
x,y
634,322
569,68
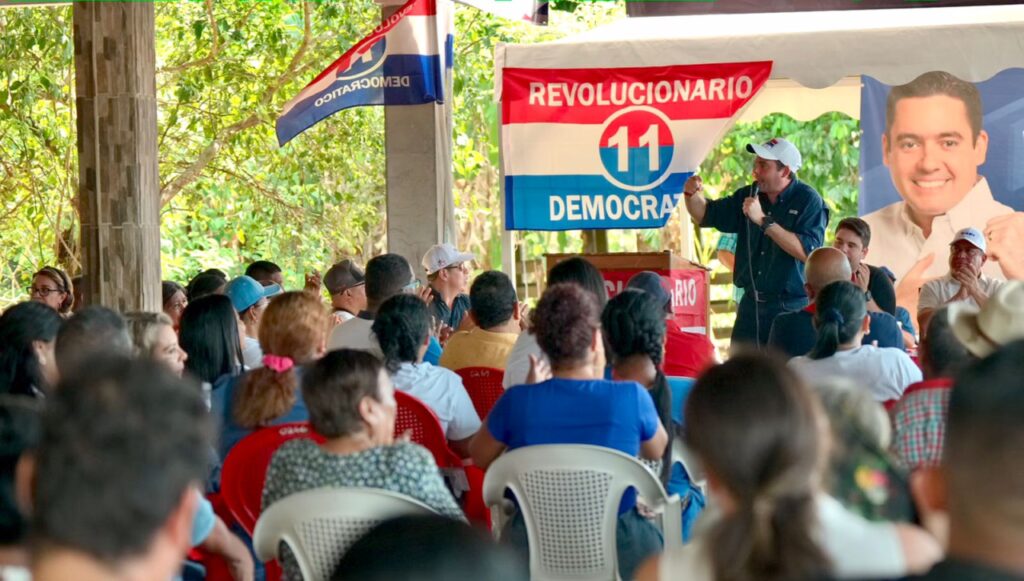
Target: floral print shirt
x,y
405,468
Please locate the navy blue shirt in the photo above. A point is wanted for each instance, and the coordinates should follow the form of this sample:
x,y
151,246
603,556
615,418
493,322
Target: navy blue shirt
x,y
798,209
453,316
794,333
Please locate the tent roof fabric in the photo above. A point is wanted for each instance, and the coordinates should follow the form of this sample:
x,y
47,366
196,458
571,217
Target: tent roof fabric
x,y
827,51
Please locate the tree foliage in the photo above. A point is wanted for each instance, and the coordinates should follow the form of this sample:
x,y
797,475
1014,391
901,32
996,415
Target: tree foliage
x,y
231,195
829,145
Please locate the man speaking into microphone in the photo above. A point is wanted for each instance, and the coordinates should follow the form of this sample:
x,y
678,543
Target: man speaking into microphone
x,y
778,221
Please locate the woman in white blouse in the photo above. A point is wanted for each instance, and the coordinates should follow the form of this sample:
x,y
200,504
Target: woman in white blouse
x,y
841,319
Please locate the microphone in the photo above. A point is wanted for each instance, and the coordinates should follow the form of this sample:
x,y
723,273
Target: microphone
x,y
754,190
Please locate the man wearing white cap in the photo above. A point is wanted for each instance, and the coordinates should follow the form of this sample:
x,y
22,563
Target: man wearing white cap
x,y
933,145
778,220
448,276
964,282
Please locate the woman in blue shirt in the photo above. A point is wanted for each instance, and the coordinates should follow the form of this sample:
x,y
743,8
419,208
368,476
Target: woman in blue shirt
x,y
577,406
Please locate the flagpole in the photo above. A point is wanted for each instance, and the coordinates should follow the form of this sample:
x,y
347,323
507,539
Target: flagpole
x,y
420,209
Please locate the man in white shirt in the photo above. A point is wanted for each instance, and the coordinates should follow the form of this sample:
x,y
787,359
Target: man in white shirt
x,y
965,280
347,285
933,145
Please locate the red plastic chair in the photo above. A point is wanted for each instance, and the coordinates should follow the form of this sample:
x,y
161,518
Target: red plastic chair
x,y
483,384
420,422
245,469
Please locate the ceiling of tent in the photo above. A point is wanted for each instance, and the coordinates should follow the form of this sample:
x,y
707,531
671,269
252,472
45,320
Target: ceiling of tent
x,y
818,56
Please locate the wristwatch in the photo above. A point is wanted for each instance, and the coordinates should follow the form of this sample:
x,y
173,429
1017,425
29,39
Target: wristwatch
x,y
867,296
767,222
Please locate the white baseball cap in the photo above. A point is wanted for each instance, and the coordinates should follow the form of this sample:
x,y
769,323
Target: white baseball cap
x,y
443,255
778,149
972,235
1000,321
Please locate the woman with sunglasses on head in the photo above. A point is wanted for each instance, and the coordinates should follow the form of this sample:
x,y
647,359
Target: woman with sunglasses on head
x,y
52,287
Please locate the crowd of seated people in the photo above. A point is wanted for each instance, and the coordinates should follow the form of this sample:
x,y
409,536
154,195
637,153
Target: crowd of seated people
x,y
808,476
576,405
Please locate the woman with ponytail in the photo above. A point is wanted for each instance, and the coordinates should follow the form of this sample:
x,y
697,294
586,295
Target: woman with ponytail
x,y
293,333
762,437
841,320
634,332
402,329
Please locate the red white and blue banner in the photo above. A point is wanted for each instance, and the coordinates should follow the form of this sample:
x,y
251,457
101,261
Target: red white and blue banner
x,y
402,62
612,148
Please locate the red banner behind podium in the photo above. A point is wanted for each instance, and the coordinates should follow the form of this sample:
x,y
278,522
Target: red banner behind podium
x,y
688,283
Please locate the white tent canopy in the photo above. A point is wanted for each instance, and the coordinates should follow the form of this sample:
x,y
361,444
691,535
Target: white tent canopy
x,y
818,56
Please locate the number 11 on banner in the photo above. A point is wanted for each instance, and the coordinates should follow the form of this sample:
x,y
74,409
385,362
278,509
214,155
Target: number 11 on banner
x,y
649,139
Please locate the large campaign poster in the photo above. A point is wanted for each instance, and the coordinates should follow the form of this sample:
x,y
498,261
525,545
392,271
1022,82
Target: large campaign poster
x,y
939,154
612,148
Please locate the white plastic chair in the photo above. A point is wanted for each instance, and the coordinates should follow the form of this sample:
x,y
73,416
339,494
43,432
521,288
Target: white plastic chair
x,y
681,454
569,496
319,525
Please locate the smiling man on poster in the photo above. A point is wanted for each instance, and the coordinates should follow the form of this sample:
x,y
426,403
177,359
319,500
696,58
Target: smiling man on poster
x,y
933,144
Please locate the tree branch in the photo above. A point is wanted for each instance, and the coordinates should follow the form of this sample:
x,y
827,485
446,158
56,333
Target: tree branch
x,y
204,158
268,192
214,50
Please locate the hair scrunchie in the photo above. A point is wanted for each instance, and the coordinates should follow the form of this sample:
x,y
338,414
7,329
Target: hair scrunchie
x,y
834,316
277,363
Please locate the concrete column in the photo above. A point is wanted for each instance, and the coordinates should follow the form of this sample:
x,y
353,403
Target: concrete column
x,y
420,208
118,180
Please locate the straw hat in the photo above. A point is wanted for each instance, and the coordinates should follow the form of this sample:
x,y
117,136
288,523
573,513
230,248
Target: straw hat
x,y
1001,321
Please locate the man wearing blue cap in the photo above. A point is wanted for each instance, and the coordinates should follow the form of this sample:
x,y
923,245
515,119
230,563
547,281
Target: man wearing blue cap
x,y
778,220
250,299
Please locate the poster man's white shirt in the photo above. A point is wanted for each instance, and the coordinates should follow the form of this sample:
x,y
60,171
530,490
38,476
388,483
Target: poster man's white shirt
x,y
899,244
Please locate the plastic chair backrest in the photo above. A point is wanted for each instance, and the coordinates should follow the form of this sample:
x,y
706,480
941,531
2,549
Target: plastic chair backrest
x,y
682,455
484,386
416,418
569,497
245,469
319,525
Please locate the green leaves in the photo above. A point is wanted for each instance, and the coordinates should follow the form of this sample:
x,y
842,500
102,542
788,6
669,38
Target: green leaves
x,y
321,197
